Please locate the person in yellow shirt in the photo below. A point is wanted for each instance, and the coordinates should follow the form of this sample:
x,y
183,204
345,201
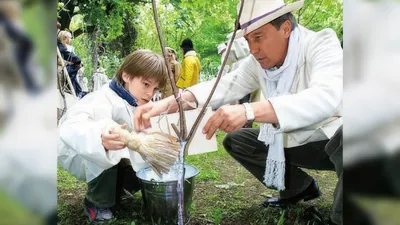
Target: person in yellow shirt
x,y
190,70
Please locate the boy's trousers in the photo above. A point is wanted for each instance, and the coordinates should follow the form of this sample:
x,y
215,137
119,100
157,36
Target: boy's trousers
x,y
105,190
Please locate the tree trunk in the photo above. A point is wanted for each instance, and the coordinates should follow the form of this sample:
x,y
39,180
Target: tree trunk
x,y
65,16
95,55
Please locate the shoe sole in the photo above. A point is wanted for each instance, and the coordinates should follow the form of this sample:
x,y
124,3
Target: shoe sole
x,y
284,206
107,222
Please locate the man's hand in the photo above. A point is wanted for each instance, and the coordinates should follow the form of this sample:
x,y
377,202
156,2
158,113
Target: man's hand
x,y
227,118
111,140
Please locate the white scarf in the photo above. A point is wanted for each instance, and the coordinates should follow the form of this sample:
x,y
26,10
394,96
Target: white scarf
x,y
278,82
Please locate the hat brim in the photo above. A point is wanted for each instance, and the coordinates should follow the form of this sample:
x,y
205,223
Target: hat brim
x,y
288,8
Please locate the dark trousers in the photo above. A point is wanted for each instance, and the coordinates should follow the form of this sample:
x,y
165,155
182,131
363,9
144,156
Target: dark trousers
x,y
105,190
243,146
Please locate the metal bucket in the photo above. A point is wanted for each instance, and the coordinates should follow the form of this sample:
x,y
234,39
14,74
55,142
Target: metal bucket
x,y
161,198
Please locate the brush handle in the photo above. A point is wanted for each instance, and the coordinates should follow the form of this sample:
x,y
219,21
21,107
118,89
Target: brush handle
x,y
131,140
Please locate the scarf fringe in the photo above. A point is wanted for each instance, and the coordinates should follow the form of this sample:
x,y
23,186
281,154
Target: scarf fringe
x,y
274,176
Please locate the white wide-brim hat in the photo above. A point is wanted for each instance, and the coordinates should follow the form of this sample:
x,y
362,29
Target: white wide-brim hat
x,y
257,13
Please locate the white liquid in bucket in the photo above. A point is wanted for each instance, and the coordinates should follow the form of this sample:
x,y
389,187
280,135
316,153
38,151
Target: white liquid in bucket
x,y
150,175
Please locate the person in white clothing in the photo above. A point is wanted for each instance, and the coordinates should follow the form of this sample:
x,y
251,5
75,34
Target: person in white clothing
x,y
239,51
90,151
221,48
301,75
83,82
99,78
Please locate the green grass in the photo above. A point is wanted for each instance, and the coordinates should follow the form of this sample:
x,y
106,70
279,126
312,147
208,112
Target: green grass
x,y
217,215
11,212
207,163
384,210
225,193
66,181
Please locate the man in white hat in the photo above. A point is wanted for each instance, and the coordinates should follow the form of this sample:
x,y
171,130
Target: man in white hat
x,y
301,75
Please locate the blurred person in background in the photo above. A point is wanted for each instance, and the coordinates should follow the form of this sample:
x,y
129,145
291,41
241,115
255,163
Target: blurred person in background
x,y
372,112
71,61
83,82
27,168
66,39
72,68
85,88
190,71
99,78
221,49
175,69
67,51
18,43
65,54
239,51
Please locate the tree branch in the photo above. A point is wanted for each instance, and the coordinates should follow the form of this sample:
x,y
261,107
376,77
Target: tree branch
x,y
203,110
65,16
182,121
314,13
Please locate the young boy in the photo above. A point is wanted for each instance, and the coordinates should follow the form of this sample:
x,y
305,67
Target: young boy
x,y
92,153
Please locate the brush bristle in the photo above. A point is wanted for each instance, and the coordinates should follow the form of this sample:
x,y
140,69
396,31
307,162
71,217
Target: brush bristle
x,y
158,149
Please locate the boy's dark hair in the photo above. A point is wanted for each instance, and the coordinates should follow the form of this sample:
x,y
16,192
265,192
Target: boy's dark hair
x,y
145,64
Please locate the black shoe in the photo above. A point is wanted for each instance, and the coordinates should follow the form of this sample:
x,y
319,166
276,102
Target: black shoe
x,y
311,192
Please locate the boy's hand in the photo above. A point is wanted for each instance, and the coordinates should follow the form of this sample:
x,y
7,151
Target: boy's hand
x,y
145,112
111,141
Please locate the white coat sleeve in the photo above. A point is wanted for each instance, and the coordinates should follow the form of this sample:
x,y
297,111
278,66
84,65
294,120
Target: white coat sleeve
x,y
232,87
324,95
80,136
